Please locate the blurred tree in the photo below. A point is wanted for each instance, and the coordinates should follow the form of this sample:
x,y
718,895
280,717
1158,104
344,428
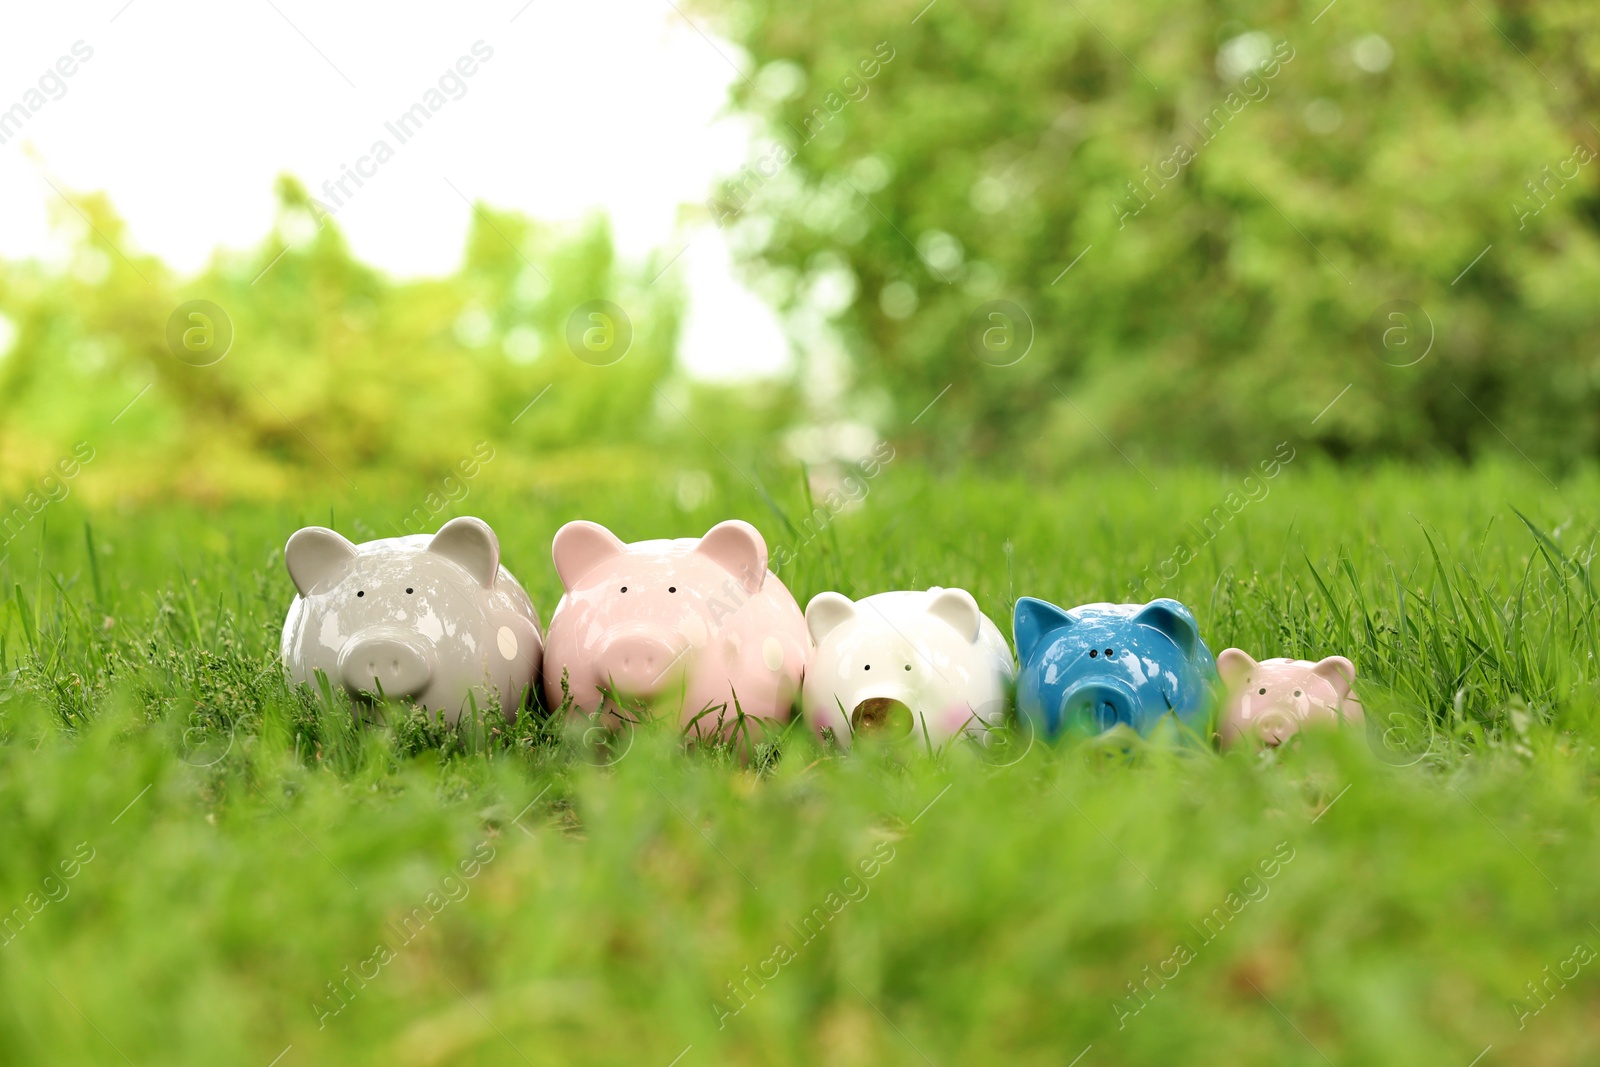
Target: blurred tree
x,y
1204,210
336,372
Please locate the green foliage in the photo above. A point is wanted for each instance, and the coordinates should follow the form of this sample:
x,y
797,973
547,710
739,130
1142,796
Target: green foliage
x,y
1221,301
337,374
253,874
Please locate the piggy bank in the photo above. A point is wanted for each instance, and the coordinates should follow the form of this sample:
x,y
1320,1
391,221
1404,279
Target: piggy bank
x,y
697,629
927,665
1274,698
433,620
1101,665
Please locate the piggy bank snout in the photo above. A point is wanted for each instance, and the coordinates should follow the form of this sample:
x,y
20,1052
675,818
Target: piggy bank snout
x,y
637,664
1274,723
394,663
882,716
1274,732
1097,705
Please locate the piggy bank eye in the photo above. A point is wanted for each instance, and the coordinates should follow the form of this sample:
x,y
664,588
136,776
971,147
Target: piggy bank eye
x,y
1263,690
868,667
1297,692
410,590
672,589
361,592
1108,653
624,589
1093,652
908,666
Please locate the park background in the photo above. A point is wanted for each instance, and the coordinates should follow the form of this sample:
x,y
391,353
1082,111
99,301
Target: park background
x,y
1084,272
1250,203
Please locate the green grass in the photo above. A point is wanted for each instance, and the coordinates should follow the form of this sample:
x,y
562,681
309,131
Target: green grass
x,y
1375,899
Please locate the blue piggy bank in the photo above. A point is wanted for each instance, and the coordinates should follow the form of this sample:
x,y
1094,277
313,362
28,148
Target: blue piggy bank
x,y
1098,665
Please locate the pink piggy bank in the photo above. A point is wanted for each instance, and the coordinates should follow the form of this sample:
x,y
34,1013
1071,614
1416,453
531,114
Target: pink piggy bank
x,y
1273,699
696,628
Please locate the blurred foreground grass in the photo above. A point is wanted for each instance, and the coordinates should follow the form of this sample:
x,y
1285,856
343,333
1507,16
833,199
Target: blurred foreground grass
x,y
252,876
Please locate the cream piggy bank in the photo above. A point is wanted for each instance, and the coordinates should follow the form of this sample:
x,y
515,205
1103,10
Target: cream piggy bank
x,y
928,665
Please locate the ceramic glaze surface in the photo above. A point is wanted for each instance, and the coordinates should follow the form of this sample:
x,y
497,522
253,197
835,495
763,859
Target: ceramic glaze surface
x,y
1273,699
434,620
685,626
1101,665
922,664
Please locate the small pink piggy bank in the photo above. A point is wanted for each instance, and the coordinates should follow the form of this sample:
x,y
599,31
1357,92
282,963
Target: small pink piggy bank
x,y
1274,698
696,628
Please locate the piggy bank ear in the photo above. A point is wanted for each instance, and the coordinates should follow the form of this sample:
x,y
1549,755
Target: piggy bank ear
x,y
580,547
312,554
956,607
737,548
1339,672
1234,665
1174,620
1032,620
472,544
826,612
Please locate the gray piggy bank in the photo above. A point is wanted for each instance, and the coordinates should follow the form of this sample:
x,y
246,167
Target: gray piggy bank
x,y
432,620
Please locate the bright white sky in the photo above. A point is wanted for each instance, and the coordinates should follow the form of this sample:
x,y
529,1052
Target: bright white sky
x,y
188,111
